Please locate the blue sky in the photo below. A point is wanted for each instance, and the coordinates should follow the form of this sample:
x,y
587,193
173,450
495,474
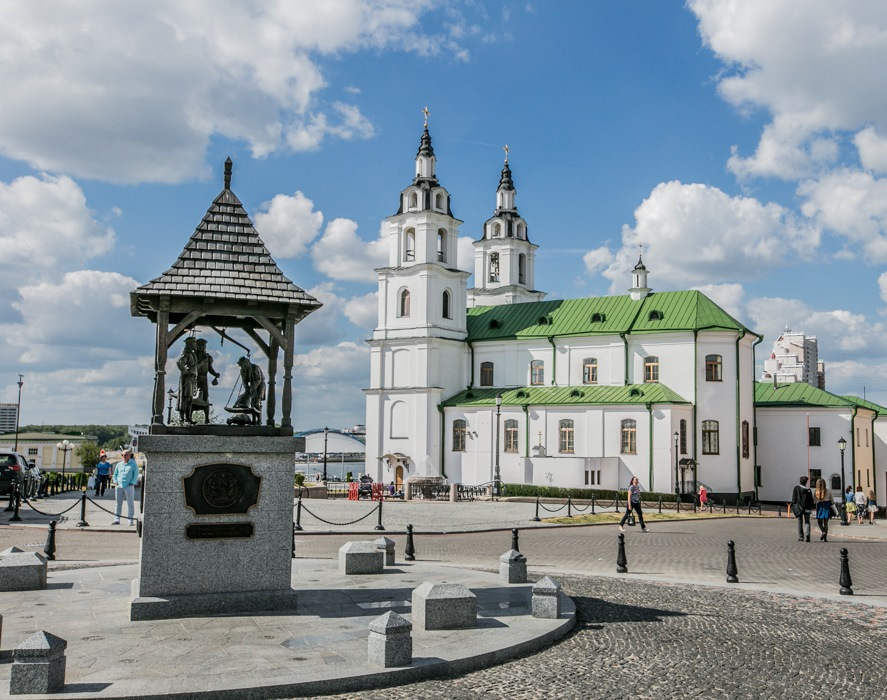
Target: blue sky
x,y
744,144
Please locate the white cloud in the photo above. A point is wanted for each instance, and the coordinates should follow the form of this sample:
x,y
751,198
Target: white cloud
x,y
465,254
872,149
731,238
597,259
363,311
341,255
730,297
853,204
815,67
145,86
288,224
338,363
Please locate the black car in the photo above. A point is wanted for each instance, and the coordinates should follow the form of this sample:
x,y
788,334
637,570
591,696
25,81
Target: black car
x,y
12,469
366,486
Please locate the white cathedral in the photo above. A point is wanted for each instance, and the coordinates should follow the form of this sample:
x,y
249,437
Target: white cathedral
x,y
494,382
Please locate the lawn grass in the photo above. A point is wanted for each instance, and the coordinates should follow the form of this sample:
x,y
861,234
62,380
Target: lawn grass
x,y
610,517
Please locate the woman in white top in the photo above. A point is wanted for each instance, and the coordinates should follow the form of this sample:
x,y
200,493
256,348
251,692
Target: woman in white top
x,y
861,502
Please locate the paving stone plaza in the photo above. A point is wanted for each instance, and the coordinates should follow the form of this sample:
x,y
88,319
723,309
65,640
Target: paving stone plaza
x,y
670,628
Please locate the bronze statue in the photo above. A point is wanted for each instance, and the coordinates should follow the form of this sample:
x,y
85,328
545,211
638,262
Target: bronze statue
x,y
248,407
204,367
187,364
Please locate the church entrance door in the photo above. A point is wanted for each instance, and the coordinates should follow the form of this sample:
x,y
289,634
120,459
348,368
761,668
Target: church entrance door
x,y
398,478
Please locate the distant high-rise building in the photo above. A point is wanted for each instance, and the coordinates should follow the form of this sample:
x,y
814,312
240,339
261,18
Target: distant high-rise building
x,y
8,414
795,358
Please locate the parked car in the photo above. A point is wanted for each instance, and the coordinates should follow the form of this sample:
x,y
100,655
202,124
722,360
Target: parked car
x,y
366,486
12,470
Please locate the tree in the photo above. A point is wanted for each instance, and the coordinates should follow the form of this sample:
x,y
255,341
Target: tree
x,y
88,454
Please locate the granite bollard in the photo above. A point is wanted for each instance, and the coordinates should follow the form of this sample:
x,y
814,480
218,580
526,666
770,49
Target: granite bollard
x,y
513,567
386,545
444,606
390,643
547,599
38,665
360,558
22,571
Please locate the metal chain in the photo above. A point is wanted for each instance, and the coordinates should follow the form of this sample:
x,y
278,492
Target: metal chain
x,y
101,507
581,510
552,510
328,522
52,515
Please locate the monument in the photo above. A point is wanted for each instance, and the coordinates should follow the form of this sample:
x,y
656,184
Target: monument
x,y
217,511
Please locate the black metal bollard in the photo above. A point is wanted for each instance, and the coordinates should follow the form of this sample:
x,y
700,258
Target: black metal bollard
x,y
294,540
569,507
731,563
17,504
379,519
846,581
535,518
660,504
11,505
592,504
83,522
49,547
410,549
621,559
678,506
514,542
297,526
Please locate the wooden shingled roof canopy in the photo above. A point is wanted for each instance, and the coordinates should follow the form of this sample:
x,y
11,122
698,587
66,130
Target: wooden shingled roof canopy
x,y
225,278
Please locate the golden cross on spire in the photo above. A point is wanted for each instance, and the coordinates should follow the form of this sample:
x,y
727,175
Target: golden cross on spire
x,y
506,149
426,113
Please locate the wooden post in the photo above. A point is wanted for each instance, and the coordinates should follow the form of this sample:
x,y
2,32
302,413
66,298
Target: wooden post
x,y
271,403
289,333
160,357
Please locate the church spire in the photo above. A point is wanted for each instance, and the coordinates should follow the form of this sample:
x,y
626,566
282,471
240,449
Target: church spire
x,y
425,159
639,288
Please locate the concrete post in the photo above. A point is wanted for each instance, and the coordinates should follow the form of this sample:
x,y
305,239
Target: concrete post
x,y
38,665
390,643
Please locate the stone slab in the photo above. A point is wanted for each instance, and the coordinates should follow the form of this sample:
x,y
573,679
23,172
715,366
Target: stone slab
x,y
390,644
547,599
22,571
444,606
360,558
386,545
216,603
38,665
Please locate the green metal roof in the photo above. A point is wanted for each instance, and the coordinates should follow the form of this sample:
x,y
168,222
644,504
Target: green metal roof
x,y
796,394
862,403
632,394
678,311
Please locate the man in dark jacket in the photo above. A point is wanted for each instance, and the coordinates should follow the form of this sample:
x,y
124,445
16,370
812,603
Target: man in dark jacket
x,y
802,504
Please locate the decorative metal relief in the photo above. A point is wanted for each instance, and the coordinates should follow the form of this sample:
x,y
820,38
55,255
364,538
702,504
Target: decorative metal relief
x,y
220,489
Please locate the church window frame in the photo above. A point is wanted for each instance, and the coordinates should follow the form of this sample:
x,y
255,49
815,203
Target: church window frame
x,y
683,435
711,437
745,440
496,230
566,436
651,369
441,245
414,200
403,304
487,374
589,370
628,444
494,267
446,304
537,372
409,245
714,366
520,230
511,435
438,201
460,432
522,269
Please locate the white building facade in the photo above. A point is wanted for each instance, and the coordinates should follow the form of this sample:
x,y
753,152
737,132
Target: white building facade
x,y
592,391
795,358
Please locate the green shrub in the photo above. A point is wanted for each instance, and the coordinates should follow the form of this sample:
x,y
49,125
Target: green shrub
x,y
299,480
532,491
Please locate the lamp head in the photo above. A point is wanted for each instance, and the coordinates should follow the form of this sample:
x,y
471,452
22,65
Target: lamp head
x,y
498,400
842,444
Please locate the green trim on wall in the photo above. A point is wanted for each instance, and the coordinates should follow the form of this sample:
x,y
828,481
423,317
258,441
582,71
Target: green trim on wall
x,y
443,439
738,421
754,424
526,408
650,445
553,361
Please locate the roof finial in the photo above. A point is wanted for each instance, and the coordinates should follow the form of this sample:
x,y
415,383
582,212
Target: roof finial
x,y
228,167
425,112
640,252
506,149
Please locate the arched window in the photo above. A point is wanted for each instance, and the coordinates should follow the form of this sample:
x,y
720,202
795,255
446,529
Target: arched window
x,y
589,370
486,374
460,428
710,441
404,306
745,450
651,369
400,420
494,267
520,230
537,372
441,245
683,433
497,230
409,245
438,201
565,436
414,200
511,435
522,268
629,445
445,305
713,368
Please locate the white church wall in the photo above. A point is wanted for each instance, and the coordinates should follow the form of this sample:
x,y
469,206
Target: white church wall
x,y
609,352
880,449
675,353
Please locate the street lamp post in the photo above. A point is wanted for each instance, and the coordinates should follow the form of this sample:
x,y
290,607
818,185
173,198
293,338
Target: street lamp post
x,y
18,410
676,484
326,434
171,395
65,447
496,471
842,445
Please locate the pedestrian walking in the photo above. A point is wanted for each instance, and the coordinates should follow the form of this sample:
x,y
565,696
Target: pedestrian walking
x,y
126,474
861,502
102,475
703,496
823,498
634,504
802,504
872,506
850,502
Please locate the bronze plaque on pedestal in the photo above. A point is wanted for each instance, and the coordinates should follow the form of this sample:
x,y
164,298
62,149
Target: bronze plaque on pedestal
x,y
216,489
218,531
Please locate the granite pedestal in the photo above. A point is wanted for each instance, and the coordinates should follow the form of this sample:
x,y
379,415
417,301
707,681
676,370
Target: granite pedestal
x,y
38,665
513,567
547,599
226,547
444,606
360,558
386,545
390,643
22,571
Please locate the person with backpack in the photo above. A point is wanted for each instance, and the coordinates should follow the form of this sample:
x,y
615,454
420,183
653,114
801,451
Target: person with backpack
x,y
802,504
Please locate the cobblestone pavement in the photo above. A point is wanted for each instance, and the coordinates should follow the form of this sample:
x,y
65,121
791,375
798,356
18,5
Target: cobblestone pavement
x,y
637,639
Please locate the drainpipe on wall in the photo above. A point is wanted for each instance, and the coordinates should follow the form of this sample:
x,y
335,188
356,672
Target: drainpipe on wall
x,y
553,360
442,440
754,419
650,441
853,448
695,400
526,408
471,350
625,358
738,425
